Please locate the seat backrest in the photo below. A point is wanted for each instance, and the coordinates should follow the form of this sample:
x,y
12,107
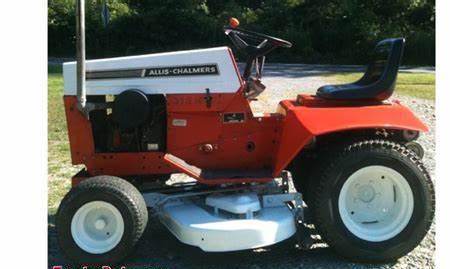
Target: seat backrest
x,y
383,67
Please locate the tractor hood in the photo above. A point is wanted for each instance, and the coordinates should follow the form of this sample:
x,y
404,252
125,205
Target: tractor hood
x,y
182,72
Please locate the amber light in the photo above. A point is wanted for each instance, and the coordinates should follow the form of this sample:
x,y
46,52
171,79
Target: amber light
x,y
234,22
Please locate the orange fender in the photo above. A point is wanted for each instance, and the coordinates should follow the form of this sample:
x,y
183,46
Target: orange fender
x,y
310,117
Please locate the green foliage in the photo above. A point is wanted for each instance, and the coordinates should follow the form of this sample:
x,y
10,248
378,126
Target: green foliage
x,y
54,68
332,31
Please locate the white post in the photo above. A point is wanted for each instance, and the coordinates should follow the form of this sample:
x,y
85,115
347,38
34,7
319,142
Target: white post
x,y
81,58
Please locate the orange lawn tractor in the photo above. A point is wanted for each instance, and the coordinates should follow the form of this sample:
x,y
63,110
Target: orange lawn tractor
x,y
135,121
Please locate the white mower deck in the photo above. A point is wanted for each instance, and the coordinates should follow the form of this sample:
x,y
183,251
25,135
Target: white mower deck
x,y
228,222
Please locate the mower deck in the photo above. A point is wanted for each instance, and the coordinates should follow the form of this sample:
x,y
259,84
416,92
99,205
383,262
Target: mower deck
x,y
195,226
217,222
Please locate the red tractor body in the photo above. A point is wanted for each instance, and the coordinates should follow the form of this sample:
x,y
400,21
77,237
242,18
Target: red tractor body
x,y
228,135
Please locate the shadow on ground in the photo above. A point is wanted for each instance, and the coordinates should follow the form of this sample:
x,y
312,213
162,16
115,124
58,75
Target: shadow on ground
x,y
160,249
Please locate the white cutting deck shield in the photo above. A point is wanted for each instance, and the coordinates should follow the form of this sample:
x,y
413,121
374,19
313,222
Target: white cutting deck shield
x,y
216,232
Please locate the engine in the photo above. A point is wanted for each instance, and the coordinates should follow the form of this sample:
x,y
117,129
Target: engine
x,y
132,122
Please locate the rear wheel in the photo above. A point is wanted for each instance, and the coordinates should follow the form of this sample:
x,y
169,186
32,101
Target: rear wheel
x,y
301,169
100,220
373,201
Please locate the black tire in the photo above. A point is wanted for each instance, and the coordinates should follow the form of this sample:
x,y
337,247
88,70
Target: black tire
x,y
329,179
115,191
301,169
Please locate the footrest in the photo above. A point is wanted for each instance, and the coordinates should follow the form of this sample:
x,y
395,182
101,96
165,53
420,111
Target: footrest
x,y
180,164
219,176
248,173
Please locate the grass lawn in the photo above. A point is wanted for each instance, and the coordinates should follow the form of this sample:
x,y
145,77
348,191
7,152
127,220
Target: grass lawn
x,y
418,85
60,169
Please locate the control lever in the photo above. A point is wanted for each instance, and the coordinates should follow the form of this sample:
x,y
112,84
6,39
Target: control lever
x,y
259,62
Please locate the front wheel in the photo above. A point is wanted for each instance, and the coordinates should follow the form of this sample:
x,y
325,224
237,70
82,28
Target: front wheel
x,y
100,220
373,201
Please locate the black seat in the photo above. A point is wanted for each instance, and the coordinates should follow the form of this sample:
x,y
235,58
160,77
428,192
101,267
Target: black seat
x,y
378,83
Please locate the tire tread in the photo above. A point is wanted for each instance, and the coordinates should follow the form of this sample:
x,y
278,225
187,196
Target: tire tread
x,y
119,188
324,172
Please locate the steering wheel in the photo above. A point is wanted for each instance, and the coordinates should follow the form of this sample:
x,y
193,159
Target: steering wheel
x,y
261,44
240,38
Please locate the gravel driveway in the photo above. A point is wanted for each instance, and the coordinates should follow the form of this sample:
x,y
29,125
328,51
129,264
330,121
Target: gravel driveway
x,y
159,249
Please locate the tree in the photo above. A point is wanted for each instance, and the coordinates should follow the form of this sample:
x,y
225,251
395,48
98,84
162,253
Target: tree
x,y
323,31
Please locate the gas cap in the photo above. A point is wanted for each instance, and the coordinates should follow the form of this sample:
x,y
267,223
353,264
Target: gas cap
x,y
207,148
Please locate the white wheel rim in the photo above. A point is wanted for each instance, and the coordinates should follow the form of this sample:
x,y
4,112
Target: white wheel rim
x,y
97,227
376,203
